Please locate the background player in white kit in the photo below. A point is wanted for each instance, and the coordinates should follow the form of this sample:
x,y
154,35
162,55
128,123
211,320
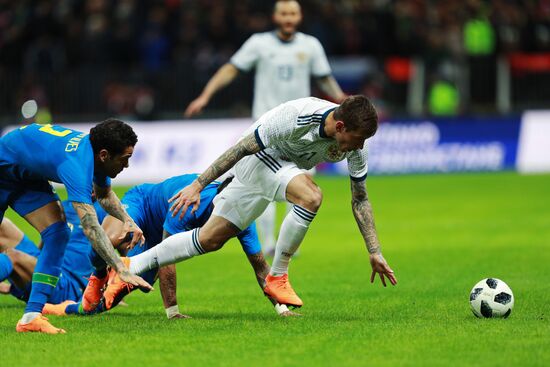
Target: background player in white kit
x,y
284,60
268,165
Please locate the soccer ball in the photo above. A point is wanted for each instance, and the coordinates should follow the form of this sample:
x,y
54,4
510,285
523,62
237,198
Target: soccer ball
x,y
491,297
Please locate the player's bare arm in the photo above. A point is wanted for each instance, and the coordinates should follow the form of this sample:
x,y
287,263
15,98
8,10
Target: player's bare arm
x,y
224,76
101,244
190,195
112,205
168,288
330,86
362,211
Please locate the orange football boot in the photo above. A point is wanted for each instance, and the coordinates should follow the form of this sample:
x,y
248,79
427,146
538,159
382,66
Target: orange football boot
x,y
280,290
39,324
116,289
93,292
58,309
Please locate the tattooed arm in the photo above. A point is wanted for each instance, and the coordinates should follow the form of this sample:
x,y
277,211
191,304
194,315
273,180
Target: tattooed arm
x,y
112,205
168,287
190,195
362,210
101,244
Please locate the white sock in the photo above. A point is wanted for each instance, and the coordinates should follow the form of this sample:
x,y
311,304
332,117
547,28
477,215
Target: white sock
x,y
176,248
292,233
266,225
29,316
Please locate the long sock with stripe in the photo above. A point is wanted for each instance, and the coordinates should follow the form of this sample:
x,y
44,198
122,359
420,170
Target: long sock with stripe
x,y
176,248
48,267
293,230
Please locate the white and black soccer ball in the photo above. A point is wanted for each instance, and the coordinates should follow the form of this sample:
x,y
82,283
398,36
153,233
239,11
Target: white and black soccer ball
x,y
491,297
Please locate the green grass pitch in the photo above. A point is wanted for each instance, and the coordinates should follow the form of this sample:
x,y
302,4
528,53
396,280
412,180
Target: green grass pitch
x,y
440,233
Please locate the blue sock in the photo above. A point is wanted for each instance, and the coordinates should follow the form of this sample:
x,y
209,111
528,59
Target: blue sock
x,y
98,263
48,267
73,309
6,267
28,247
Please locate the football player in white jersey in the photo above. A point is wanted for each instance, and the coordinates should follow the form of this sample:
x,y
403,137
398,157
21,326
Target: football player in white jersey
x,y
268,164
284,61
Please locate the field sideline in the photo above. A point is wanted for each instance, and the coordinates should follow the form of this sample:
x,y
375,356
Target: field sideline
x,y
440,233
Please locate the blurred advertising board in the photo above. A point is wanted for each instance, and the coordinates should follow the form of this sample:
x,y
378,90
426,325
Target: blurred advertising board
x,y
437,146
170,148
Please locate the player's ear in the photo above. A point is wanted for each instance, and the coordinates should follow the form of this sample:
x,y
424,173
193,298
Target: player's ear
x,y
103,155
340,126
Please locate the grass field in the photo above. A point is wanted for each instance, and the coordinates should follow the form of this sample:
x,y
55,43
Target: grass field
x,y
440,233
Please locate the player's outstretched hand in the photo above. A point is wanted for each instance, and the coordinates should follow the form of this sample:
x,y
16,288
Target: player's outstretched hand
x,y
195,107
380,266
137,236
186,197
135,280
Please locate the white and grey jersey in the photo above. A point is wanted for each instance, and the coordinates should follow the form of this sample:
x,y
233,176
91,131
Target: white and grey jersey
x,y
283,69
294,131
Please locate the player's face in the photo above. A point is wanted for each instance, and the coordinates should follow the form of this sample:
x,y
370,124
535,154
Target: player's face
x,y
287,16
114,164
350,140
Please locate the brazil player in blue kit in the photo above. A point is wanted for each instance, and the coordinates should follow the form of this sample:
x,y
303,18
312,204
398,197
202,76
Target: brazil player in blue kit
x,y
148,205
35,154
19,256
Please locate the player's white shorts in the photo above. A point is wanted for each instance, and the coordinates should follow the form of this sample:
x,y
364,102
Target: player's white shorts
x,y
259,179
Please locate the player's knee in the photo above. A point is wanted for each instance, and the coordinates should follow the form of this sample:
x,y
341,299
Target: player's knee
x,y
311,199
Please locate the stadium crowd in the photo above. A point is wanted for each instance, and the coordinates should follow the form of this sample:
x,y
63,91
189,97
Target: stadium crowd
x,y
167,40
52,35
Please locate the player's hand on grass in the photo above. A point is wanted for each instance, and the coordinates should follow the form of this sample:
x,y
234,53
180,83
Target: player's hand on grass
x,y
196,106
5,288
186,197
381,267
135,280
136,236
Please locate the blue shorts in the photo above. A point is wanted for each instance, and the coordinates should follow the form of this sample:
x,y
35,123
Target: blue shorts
x,y
24,196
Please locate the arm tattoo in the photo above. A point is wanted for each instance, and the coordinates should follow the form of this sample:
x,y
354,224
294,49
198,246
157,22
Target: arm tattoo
x,y
168,282
362,211
111,203
227,160
96,235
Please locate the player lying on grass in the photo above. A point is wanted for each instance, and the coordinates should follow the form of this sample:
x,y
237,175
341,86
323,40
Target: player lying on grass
x,y
268,164
148,205
19,255
35,154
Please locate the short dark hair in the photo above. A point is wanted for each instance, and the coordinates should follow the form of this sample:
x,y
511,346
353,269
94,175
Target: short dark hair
x,y
113,135
358,113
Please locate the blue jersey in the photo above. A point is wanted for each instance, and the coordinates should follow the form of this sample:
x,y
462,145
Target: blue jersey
x,y
52,153
148,205
76,260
